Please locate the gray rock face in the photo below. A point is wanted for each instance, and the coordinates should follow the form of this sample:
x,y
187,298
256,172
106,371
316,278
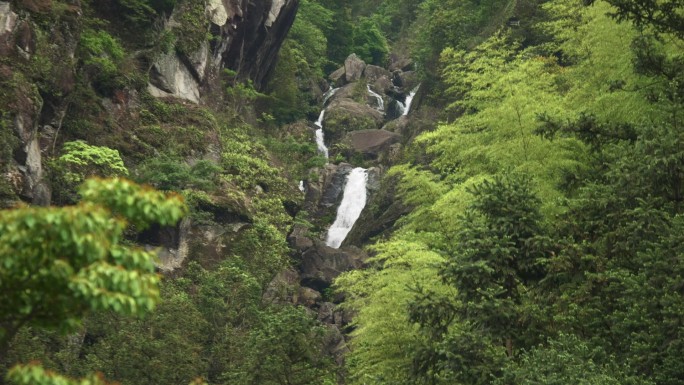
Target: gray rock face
x,y
247,37
172,258
407,80
400,64
334,185
337,77
353,68
370,143
8,19
249,41
374,73
171,77
321,264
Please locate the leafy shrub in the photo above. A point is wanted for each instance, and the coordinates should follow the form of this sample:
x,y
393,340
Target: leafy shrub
x,y
102,56
173,174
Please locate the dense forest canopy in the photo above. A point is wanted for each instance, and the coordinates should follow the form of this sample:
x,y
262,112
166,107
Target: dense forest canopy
x,y
542,177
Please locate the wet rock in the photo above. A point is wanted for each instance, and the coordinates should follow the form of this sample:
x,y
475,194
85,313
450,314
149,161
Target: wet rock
x,y
394,110
334,184
370,143
26,39
407,80
382,212
173,254
353,68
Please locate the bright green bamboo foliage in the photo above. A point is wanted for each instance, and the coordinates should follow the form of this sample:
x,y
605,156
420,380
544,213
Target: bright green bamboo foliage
x,y
384,340
56,264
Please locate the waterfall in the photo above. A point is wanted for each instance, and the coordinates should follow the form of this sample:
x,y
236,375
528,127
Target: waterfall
x,y
402,107
353,202
409,100
381,103
320,139
301,186
328,94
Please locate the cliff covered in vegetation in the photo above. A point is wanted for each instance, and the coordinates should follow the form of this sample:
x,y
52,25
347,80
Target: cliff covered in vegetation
x,y
517,165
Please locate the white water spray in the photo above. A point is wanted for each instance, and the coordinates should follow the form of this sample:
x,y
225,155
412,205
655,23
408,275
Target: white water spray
x,y
328,94
301,186
353,202
381,103
320,139
409,100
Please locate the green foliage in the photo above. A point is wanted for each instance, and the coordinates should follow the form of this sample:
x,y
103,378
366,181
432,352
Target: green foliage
x,y
59,263
383,339
558,281
192,28
102,56
176,175
568,360
369,43
34,374
286,349
79,161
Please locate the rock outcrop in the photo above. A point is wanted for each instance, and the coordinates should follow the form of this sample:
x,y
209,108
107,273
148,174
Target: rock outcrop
x,y
247,38
371,143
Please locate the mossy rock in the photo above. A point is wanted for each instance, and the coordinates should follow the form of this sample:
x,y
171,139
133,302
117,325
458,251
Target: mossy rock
x,y
344,115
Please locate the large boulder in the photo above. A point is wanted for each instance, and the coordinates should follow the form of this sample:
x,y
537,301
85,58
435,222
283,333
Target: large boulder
x,y
344,115
370,143
171,77
407,80
381,212
337,77
321,264
325,192
400,63
353,68
374,73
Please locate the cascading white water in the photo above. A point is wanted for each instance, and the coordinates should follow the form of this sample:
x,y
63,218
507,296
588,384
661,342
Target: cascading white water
x,y
301,186
402,107
353,202
409,100
329,94
381,103
320,139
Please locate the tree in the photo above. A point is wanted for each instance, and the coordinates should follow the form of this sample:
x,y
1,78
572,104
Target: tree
x,y
665,16
497,255
57,264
